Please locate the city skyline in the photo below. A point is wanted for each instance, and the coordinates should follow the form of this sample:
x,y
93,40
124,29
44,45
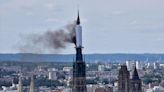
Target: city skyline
x,y
108,26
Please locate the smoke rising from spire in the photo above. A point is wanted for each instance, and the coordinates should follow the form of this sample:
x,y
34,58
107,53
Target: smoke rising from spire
x,y
53,40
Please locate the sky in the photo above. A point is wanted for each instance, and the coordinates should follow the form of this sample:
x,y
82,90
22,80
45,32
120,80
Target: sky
x,y
109,26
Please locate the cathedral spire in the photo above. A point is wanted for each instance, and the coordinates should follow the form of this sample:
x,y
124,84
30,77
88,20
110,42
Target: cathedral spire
x,y
135,74
79,68
135,82
78,18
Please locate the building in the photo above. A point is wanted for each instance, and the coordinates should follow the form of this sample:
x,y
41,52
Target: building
x,y
158,89
101,67
156,65
33,88
101,89
123,79
135,82
20,85
129,65
155,89
67,69
52,74
138,65
79,67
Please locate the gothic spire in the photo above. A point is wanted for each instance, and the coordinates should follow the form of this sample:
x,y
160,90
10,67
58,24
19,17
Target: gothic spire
x,y
135,75
78,19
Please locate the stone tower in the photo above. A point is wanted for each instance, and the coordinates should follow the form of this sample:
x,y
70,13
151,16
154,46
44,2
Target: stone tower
x,y
123,79
135,82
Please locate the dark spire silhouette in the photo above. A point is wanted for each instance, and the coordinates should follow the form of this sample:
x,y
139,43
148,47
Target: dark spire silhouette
x,y
135,75
78,19
135,83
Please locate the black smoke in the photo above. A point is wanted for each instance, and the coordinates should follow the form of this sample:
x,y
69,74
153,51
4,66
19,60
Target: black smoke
x,y
54,40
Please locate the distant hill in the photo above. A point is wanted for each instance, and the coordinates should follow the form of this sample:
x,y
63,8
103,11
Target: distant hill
x,y
88,57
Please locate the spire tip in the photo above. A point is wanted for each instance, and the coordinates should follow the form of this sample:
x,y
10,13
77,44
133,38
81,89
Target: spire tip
x,y
78,18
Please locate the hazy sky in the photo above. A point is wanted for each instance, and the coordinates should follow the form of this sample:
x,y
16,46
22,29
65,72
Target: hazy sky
x,y
109,26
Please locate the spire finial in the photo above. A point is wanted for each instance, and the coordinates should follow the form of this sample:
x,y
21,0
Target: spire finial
x,y
78,18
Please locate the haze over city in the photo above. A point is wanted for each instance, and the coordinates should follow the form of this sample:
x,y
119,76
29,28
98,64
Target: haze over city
x,y
109,26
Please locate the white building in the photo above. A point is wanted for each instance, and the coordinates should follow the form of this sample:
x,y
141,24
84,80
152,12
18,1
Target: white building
x,y
8,89
156,89
156,65
52,74
101,67
67,69
67,90
138,66
130,65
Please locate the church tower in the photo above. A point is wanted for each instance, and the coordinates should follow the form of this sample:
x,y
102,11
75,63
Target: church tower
x,y
135,83
20,85
79,68
32,85
123,79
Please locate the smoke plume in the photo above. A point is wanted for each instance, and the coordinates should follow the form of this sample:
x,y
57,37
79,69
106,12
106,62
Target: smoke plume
x,y
53,40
